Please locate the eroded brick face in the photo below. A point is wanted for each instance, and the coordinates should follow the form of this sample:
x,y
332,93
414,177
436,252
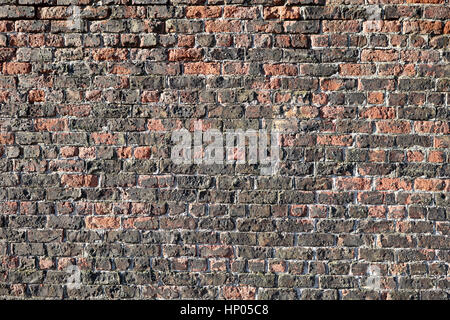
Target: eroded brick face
x,y
91,92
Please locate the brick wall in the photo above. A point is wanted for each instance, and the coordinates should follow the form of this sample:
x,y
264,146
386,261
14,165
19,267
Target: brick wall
x,y
92,206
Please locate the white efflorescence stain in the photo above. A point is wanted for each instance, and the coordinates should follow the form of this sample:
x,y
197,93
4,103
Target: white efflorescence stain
x,y
76,23
374,279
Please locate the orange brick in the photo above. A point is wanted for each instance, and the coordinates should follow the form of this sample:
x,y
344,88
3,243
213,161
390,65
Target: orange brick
x,y
104,138
393,184
239,293
124,152
353,183
6,138
222,26
436,156
379,113
110,54
432,184
68,152
415,156
36,96
282,12
391,126
102,222
142,152
51,124
377,155
379,55
76,180
16,68
201,12
202,68
280,69
191,54
375,97
155,125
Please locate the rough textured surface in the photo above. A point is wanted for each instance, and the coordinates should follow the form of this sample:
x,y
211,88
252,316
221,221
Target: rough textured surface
x,y
89,96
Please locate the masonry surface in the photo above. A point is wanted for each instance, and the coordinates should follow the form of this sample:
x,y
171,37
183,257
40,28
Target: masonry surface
x,y
92,207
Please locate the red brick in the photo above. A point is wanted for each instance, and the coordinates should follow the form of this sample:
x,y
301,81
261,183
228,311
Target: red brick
x,y
423,27
104,138
239,293
6,138
396,212
379,113
36,96
432,184
436,12
375,97
391,126
415,156
282,12
4,96
110,54
377,212
222,26
77,181
102,222
124,152
68,152
338,140
277,266
46,263
379,55
191,54
142,152
442,142
235,68
238,12
209,251
436,156
436,127
426,1
201,12
149,96
9,207
377,155
16,68
186,40
447,28
334,84
393,184
51,124
155,125
319,41
356,69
